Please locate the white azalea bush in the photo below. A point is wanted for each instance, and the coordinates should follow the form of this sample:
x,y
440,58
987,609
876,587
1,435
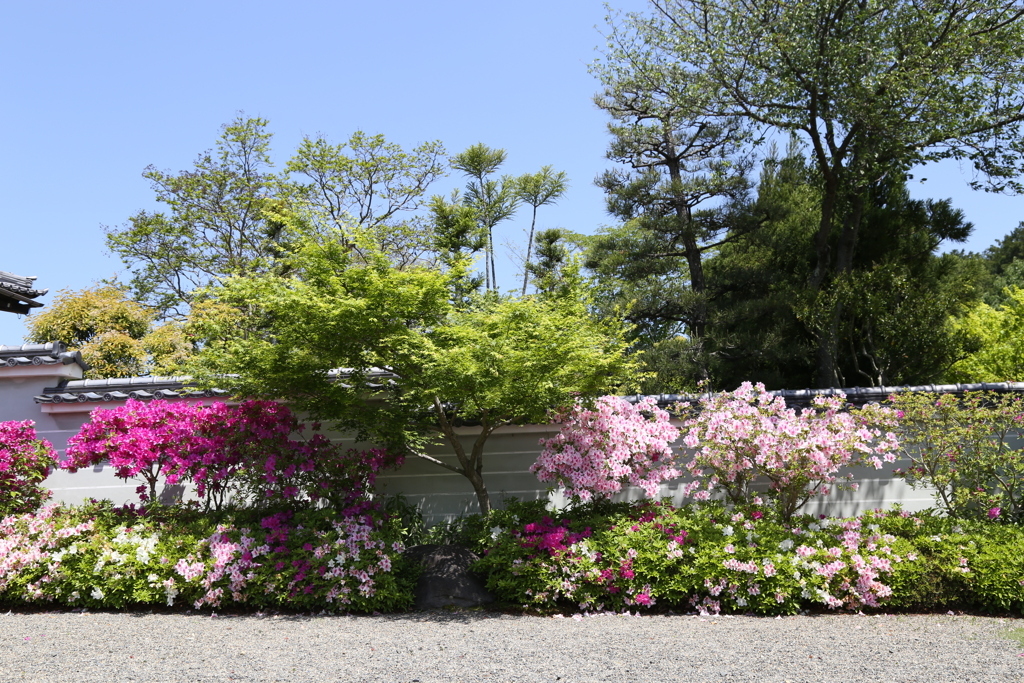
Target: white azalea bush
x,y
99,556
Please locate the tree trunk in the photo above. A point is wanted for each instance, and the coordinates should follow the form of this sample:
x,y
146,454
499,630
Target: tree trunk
x,y
828,344
699,312
482,497
470,466
529,248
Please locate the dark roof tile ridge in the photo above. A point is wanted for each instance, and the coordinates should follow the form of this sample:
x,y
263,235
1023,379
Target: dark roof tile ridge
x,y
48,348
859,393
142,380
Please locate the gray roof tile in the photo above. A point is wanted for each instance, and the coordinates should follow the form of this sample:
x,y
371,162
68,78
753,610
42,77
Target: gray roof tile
x,y
50,353
802,398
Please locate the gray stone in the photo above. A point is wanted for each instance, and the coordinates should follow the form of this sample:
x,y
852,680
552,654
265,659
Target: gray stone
x,y
446,580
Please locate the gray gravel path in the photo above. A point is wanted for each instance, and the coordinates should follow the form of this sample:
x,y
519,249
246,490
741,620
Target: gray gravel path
x,y
474,646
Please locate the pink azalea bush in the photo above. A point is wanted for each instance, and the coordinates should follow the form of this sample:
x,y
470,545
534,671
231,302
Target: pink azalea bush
x,y
25,461
748,438
102,557
565,560
248,453
600,450
342,565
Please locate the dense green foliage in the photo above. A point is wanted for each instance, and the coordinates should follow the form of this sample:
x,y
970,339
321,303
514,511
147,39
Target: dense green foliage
x,y
996,335
764,319
967,449
871,90
116,335
491,361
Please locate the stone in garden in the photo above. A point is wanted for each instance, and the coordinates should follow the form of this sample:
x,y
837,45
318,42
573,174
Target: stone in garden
x,y
446,580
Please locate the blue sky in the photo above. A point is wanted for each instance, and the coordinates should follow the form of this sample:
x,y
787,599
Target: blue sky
x,y
94,92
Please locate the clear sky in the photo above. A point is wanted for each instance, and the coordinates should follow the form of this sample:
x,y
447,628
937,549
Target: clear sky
x,y
94,92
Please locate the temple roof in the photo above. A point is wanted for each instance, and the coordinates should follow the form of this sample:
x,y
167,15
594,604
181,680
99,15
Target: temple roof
x,y
17,293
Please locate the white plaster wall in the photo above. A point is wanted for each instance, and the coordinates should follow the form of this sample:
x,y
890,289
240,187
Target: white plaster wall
x,y
56,424
510,452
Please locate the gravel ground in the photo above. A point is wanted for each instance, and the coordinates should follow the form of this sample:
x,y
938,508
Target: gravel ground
x,y
481,646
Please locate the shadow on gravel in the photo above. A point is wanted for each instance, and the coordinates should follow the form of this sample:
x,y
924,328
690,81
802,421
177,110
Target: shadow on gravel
x,y
435,616
440,616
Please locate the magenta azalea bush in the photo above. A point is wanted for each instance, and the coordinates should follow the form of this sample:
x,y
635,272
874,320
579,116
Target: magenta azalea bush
x,y
309,538
600,450
139,440
25,461
101,557
748,439
248,453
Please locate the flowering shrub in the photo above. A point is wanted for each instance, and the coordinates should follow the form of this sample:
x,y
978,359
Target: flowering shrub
x,y
246,452
25,461
701,557
749,436
970,564
708,559
961,448
626,560
138,439
315,559
283,469
600,450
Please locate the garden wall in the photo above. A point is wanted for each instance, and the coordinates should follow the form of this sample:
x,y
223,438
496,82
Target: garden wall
x,y
443,494
42,382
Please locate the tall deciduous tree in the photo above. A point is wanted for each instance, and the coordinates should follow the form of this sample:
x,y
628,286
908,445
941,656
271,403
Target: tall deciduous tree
x,y
497,362
874,87
230,215
373,184
214,226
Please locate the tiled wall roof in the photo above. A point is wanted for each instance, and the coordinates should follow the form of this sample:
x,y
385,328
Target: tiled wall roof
x,y
145,388
802,398
120,389
50,353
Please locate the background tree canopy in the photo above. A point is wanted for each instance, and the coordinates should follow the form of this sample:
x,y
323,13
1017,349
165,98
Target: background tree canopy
x,y
115,334
869,89
729,260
